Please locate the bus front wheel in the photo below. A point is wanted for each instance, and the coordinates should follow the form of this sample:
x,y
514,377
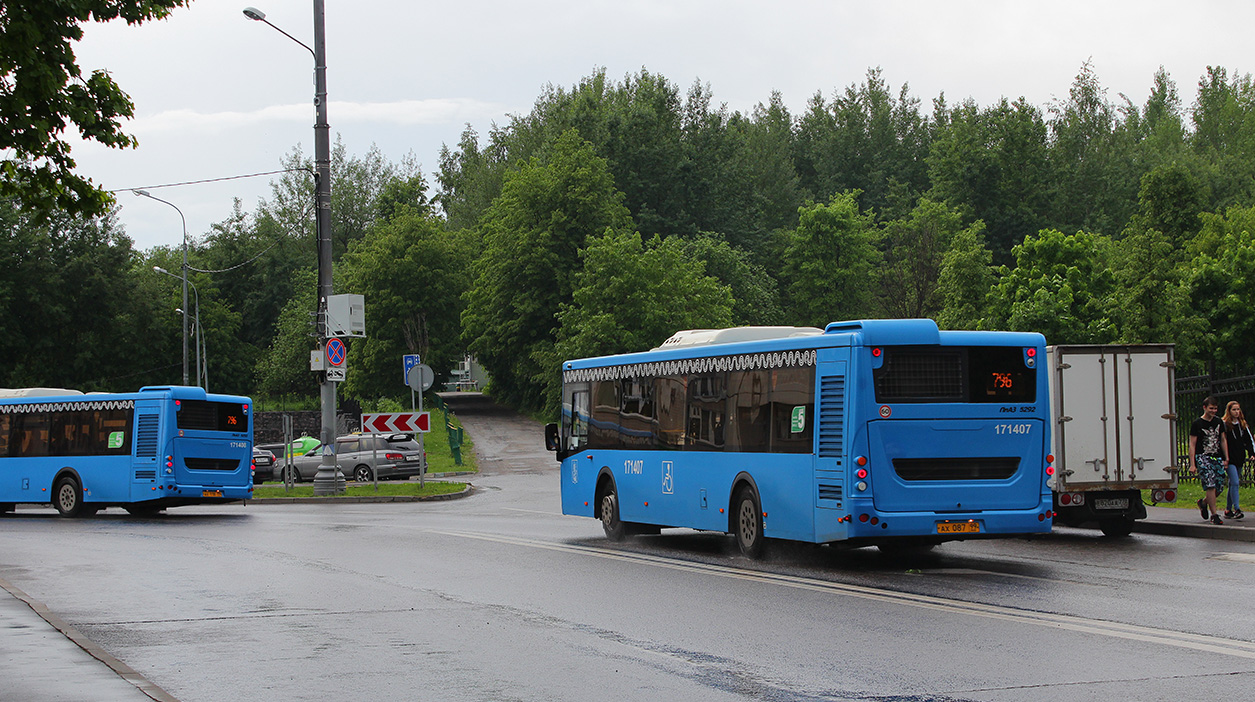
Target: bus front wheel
x,y
615,529
68,496
749,523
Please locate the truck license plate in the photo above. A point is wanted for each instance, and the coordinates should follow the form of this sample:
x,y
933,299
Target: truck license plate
x,y
958,528
1111,503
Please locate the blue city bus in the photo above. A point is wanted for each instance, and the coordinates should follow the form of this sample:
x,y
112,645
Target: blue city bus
x,y
872,432
144,451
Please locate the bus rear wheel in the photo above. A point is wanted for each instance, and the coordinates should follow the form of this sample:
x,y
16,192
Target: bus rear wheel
x,y
749,523
615,529
67,496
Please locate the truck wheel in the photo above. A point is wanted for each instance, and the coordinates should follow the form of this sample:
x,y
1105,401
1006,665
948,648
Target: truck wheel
x,y
1116,527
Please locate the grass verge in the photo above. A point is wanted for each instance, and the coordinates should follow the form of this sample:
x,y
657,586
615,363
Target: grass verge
x,y
387,489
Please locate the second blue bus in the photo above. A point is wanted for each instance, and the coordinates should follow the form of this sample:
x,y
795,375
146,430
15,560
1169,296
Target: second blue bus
x,y
143,451
870,432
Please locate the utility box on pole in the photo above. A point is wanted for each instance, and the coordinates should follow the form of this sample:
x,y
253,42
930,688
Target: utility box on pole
x,y
346,316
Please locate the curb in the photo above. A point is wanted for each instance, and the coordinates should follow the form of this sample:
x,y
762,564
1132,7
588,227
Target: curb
x,y
1196,531
346,499
90,647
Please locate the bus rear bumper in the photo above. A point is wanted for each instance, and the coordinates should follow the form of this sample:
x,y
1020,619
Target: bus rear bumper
x,y
869,524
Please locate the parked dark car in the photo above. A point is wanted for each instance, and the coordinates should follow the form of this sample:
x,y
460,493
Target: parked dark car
x,y
263,465
394,456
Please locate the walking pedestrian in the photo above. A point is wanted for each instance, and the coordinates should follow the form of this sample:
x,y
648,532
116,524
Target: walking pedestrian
x,y
1208,456
1241,446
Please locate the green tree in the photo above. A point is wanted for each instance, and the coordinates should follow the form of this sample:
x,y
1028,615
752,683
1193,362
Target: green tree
x,y
1061,286
532,235
1094,182
992,163
829,263
965,280
1217,278
1150,305
866,139
1170,201
73,312
43,92
755,299
914,251
413,275
283,370
630,296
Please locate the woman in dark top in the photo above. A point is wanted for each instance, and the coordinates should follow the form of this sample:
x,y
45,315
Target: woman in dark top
x,y
1241,445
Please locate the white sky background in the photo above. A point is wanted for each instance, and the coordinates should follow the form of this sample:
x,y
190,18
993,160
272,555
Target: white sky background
x,y
218,95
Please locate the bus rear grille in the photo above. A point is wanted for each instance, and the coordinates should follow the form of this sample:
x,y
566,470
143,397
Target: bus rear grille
x,y
145,475
956,468
832,416
212,463
146,436
830,491
918,376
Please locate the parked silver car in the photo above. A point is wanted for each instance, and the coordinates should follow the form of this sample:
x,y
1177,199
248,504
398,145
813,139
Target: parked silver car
x,y
359,456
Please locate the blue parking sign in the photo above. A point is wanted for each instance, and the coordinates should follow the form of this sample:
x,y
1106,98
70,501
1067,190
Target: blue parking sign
x,y
408,361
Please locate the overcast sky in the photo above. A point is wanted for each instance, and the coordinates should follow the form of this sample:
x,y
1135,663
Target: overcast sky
x,y
217,95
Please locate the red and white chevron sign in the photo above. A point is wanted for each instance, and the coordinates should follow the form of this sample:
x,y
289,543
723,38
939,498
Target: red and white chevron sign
x,y
408,422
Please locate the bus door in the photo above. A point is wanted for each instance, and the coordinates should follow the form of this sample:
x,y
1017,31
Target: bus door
x,y
830,445
148,461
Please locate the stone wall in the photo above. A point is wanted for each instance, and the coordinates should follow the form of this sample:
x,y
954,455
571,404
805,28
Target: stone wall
x,y
268,426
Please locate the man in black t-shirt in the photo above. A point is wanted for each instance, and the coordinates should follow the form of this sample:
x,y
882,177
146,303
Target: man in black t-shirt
x,y
1209,453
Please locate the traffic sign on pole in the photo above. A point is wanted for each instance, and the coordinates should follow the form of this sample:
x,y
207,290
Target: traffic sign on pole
x,y
336,352
409,422
408,361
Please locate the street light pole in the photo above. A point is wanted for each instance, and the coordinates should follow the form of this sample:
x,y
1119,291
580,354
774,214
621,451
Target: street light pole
x,y
201,349
145,193
328,480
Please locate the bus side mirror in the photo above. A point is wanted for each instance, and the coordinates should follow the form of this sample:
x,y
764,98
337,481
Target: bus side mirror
x,y
551,437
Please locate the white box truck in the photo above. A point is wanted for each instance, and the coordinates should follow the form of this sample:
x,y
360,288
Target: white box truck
x,y
1114,412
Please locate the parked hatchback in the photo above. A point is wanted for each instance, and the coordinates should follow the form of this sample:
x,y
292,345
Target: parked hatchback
x,y
359,456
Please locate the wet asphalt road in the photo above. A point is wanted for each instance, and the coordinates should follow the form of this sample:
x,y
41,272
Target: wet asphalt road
x,y
498,597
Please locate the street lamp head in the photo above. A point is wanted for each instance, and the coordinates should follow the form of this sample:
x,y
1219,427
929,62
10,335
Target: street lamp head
x,y
254,14
141,193
159,269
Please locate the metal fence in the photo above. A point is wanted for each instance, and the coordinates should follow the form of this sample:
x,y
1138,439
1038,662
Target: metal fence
x,y
1190,393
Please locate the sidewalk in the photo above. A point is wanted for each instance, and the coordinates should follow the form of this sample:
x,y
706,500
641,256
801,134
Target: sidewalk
x,y
43,658
1173,521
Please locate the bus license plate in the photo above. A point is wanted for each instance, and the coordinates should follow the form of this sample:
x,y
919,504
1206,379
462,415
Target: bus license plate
x,y
958,528
1112,503
211,493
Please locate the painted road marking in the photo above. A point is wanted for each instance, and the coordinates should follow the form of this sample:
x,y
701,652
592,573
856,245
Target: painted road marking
x,y
1134,632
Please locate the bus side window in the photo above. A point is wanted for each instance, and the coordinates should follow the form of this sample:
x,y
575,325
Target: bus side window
x,y
577,430
6,427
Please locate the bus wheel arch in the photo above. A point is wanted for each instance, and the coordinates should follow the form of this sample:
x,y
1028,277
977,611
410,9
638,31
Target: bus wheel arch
x,y
606,507
745,517
67,494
